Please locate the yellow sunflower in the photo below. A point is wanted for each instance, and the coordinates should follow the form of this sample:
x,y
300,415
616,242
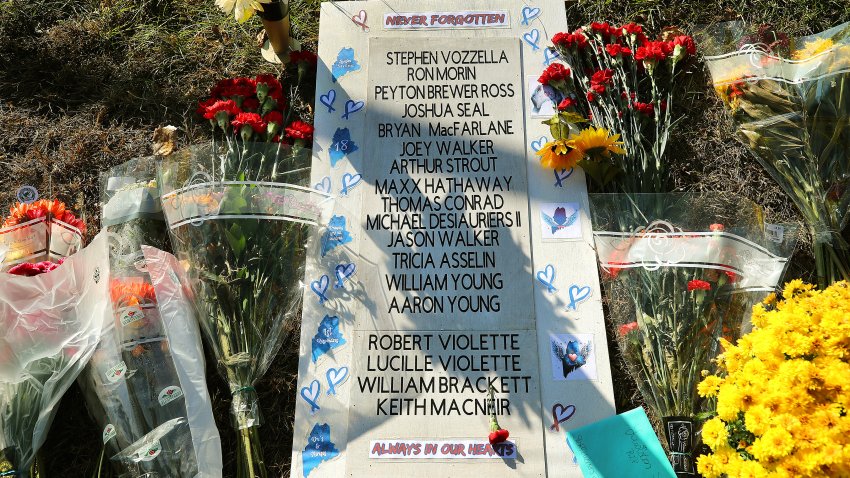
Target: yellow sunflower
x,y
559,154
812,48
597,143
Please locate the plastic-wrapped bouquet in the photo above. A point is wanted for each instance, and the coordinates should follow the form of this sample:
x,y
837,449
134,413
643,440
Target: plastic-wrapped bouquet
x,y
39,231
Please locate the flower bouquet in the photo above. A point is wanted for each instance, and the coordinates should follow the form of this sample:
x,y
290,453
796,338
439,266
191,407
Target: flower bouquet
x,y
49,325
135,386
794,113
681,271
39,231
780,397
238,211
622,82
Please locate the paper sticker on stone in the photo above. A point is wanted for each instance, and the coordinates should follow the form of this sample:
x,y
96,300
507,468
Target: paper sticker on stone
x,y
310,394
335,235
116,372
344,64
328,100
360,20
550,55
328,337
572,357
319,449
109,432
560,414
575,459
343,272
342,146
561,176
560,221
320,286
352,107
532,38
543,99
547,278
26,194
578,294
336,377
538,143
169,394
349,181
324,185
529,14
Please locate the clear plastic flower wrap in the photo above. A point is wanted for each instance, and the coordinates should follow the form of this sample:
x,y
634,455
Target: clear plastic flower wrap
x,y
238,214
681,271
155,421
790,103
49,326
39,230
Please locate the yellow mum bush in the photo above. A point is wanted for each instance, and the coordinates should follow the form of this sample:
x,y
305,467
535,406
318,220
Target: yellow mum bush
x,y
783,391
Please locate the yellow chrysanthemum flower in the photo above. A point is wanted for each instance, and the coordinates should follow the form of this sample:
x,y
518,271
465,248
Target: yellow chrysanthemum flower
x,y
597,143
559,154
242,9
812,48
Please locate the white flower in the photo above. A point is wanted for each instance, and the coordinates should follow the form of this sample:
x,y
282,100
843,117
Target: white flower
x,y
242,9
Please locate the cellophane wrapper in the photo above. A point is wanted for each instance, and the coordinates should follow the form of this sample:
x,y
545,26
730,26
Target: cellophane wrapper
x,y
238,214
790,103
49,326
681,273
145,383
38,240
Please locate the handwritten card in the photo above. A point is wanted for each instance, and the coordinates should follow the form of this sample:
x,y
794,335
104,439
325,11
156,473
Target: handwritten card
x,y
622,445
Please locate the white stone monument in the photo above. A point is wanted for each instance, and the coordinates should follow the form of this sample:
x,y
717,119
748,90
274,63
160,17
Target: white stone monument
x,y
453,262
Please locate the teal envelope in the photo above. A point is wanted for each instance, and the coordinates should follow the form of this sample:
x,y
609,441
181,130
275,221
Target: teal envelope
x,y
622,445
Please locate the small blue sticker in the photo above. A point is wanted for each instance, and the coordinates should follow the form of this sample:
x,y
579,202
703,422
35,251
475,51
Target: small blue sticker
x,y
328,100
327,338
352,107
547,278
311,395
532,38
537,144
324,185
344,64
529,13
348,182
335,235
561,176
559,219
342,145
320,286
319,448
550,55
335,377
343,272
578,294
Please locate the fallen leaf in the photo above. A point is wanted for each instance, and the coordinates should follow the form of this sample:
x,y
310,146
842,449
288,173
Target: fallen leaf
x,y
164,139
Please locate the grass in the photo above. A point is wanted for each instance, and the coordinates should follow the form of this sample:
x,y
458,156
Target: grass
x,y
84,83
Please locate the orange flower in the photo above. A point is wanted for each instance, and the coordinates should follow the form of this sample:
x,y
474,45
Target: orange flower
x,y
21,212
131,292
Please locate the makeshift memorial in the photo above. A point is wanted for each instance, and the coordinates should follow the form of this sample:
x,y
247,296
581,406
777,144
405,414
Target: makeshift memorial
x,y
38,231
50,323
238,212
681,271
136,383
780,396
622,83
793,113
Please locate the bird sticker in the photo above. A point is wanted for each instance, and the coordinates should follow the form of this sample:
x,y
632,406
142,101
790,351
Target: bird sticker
x,y
570,355
560,221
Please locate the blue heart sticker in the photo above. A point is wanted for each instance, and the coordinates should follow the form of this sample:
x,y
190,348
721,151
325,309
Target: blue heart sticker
x,y
344,64
310,394
328,337
324,185
550,55
538,143
335,377
532,38
560,177
529,13
335,235
328,100
352,107
343,272
349,181
319,448
577,295
547,278
341,146
320,286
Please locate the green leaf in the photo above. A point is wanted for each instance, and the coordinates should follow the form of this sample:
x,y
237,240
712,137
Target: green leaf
x,y
236,239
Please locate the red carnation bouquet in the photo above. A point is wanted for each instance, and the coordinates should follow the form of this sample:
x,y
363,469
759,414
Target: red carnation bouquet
x,y
39,231
680,272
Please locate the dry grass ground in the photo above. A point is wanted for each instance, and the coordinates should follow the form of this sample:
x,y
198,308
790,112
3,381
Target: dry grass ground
x,y
84,83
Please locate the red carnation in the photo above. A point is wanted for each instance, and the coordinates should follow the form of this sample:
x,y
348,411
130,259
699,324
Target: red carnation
x,y
591,97
203,105
28,269
566,104
299,130
636,31
251,105
219,106
647,109
570,41
616,49
604,30
555,72
303,56
599,79
274,117
732,276
499,436
697,284
717,227
626,328
654,51
253,120
223,89
269,80
683,46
